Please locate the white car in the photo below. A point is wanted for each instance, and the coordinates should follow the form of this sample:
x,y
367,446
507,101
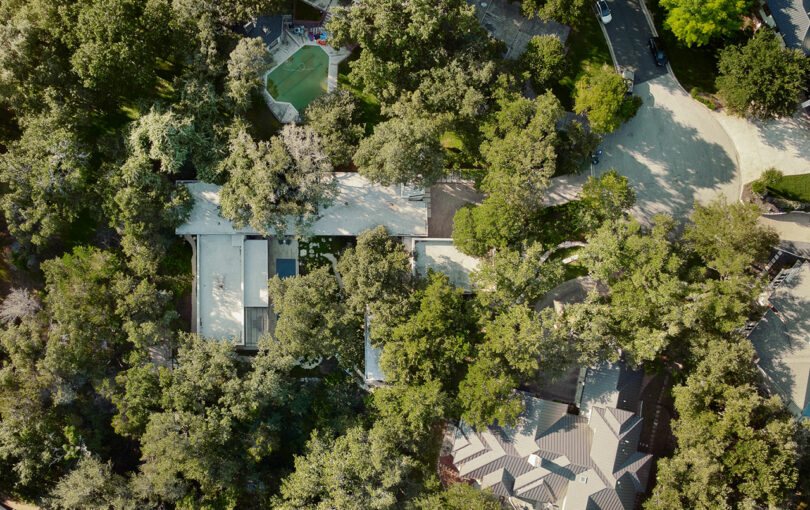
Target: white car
x,y
603,11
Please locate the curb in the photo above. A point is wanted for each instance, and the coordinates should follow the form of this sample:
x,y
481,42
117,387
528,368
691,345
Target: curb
x,y
610,45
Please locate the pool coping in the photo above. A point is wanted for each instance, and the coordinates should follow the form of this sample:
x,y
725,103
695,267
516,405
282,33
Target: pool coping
x,y
290,43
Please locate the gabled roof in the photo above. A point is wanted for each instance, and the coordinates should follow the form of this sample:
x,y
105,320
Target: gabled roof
x,y
793,20
539,459
782,339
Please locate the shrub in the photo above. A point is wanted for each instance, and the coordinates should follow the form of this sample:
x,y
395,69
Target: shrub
x,y
768,178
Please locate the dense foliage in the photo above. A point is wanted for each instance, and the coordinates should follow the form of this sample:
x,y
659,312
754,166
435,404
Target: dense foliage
x,y
107,401
762,78
697,23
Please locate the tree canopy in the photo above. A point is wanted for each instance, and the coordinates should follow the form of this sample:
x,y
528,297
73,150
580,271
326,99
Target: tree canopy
x,y
697,23
761,78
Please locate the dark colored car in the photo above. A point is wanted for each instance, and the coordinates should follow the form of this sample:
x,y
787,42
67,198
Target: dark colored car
x,y
657,50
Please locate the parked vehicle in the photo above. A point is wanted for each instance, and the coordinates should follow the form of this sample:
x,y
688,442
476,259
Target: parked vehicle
x,y
629,78
603,11
657,50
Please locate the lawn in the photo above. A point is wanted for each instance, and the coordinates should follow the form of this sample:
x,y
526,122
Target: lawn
x,y
792,187
694,67
586,47
370,114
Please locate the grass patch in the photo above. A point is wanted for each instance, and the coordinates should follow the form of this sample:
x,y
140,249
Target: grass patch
x,y
586,47
696,66
792,187
451,140
370,114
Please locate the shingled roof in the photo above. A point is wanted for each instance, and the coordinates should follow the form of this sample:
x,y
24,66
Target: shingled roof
x,y
551,456
793,20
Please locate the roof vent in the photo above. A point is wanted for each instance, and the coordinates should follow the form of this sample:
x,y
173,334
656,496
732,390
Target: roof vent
x,y
534,460
583,478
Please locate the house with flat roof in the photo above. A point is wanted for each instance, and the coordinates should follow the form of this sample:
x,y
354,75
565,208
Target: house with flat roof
x,y
234,264
554,459
782,338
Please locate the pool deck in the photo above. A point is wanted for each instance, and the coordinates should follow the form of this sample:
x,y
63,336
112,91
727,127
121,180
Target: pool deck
x,y
288,44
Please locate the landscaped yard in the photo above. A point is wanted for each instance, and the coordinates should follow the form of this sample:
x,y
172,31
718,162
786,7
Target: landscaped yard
x,y
586,47
792,187
316,247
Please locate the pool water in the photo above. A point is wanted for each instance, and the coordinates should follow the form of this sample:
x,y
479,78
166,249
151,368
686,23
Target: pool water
x,y
301,78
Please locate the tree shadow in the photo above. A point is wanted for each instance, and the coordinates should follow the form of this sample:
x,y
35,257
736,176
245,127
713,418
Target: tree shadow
x,y
672,152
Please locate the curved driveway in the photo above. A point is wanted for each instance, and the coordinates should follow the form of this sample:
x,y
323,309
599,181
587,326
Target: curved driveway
x,y
673,151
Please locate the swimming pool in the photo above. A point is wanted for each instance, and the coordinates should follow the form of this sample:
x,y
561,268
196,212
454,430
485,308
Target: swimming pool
x,y
301,78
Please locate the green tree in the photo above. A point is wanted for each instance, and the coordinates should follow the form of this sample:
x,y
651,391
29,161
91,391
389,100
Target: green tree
x,y
355,471
376,275
336,118
605,198
246,66
405,413
762,78
435,341
601,93
524,343
575,145
220,416
144,207
643,312
519,147
728,237
312,319
545,59
274,182
736,449
496,223
430,35
516,277
457,496
401,150
487,393
45,173
92,484
116,44
567,12
697,23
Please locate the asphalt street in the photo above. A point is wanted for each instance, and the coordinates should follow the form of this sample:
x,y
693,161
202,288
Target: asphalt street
x,y
629,32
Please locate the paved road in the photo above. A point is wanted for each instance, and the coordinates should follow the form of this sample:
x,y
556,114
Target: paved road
x,y
629,32
673,152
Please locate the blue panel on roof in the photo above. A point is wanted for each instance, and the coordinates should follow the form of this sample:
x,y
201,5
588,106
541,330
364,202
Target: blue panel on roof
x,y
285,268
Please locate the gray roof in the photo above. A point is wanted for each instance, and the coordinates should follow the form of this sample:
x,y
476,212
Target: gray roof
x,y
611,385
791,16
267,27
539,459
782,339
